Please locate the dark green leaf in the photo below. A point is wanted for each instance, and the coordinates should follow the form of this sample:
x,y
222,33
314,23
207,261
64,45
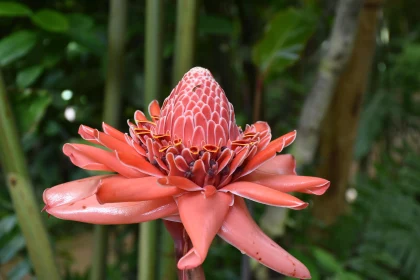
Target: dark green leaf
x,y
284,39
11,248
32,105
12,9
16,45
7,224
28,76
326,260
19,271
50,20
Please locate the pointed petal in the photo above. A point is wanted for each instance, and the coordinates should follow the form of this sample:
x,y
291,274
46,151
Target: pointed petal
x,y
79,157
90,211
264,195
113,132
154,109
279,165
180,182
240,230
120,189
137,162
93,158
293,183
202,217
263,156
72,191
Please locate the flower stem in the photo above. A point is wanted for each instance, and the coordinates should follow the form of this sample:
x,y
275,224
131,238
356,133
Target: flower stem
x,y
182,245
22,194
111,112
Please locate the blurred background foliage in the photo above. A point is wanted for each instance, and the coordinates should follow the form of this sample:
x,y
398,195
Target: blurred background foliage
x,y
53,59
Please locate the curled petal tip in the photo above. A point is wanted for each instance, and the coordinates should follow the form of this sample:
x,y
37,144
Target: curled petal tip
x,y
163,181
321,189
190,260
300,206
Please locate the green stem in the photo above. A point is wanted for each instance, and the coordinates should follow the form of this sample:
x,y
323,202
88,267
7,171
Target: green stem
x,y
147,251
147,263
184,38
22,194
112,104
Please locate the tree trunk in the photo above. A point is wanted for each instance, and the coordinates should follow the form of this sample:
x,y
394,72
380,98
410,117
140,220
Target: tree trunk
x,y
339,127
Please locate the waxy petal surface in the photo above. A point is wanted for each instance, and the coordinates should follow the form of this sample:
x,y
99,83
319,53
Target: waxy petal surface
x,y
279,165
240,230
292,183
202,217
85,156
264,195
89,210
136,189
72,191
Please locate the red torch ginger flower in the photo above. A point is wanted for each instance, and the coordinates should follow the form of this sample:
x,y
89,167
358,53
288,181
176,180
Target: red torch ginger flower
x,y
190,163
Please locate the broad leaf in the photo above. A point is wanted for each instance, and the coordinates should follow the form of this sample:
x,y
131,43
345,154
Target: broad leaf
x,y
28,76
50,20
19,271
16,45
13,9
32,105
285,37
7,224
327,261
8,251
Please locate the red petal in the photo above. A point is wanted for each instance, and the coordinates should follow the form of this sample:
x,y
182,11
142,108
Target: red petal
x,y
120,189
137,162
113,132
264,195
240,230
72,191
202,217
293,183
279,165
93,158
90,211
180,182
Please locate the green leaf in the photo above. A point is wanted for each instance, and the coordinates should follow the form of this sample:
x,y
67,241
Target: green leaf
x,y
50,20
345,275
19,271
32,105
16,45
7,224
326,260
11,248
285,37
12,9
28,76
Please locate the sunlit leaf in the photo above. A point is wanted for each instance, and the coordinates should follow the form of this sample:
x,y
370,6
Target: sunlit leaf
x,y
50,20
28,76
13,9
284,39
16,45
8,251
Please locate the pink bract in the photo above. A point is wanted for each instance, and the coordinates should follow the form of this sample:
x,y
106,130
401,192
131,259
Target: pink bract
x,y
189,163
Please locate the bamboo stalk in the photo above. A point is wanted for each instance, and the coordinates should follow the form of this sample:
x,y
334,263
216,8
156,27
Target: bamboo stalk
x,y
22,194
112,104
184,38
147,262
